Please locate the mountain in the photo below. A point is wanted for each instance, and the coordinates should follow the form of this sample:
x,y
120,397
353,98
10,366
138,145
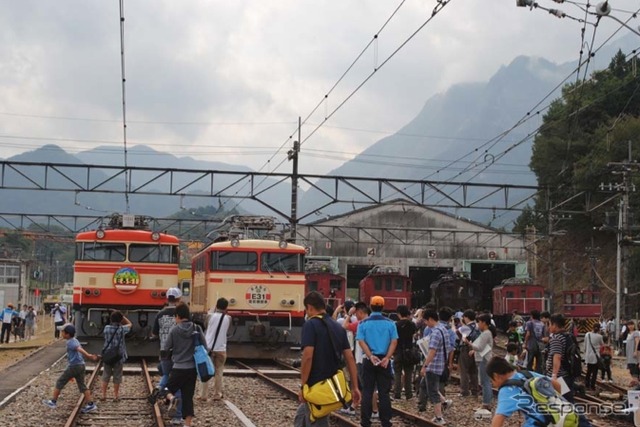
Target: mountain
x,y
464,119
465,123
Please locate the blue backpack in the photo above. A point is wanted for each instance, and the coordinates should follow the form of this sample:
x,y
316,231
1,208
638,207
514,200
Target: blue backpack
x,y
204,365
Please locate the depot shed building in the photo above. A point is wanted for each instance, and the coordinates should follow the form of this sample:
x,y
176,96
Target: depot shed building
x,y
423,242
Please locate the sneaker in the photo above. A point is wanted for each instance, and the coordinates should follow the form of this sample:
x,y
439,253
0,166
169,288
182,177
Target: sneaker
x,y
89,407
610,381
176,421
439,420
375,415
348,411
50,403
447,404
153,397
173,406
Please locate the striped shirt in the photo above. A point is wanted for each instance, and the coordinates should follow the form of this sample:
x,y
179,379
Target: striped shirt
x,y
558,345
439,334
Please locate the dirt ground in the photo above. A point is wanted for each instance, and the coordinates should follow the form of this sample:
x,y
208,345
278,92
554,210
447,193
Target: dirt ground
x,y
15,351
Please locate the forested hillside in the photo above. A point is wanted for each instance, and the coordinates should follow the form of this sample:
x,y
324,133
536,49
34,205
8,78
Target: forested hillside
x,y
589,136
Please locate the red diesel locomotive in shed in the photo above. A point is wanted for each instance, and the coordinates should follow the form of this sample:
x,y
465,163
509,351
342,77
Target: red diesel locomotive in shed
x,y
389,283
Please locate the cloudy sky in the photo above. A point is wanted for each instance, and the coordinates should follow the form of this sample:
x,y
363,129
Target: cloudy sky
x,y
227,80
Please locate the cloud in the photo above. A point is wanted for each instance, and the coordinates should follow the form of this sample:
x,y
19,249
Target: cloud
x,y
241,72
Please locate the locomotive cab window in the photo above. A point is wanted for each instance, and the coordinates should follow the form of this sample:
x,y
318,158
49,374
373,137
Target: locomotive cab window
x,y
399,286
185,286
595,298
335,284
509,294
579,299
568,299
234,261
313,285
96,251
387,284
153,253
377,284
282,262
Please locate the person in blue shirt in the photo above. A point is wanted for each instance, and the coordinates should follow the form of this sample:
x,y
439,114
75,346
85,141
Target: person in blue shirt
x,y
512,398
75,369
378,338
8,315
500,371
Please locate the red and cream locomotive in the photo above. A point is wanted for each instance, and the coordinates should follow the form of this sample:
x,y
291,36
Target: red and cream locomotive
x,y
264,281
124,266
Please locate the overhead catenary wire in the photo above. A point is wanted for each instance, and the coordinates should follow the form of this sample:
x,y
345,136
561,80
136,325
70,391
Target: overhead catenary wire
x,y
441,4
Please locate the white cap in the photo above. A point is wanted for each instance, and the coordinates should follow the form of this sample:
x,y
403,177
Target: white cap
x,y
174,293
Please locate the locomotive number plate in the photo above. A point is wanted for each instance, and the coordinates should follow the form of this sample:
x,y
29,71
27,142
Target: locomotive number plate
x,y
258,296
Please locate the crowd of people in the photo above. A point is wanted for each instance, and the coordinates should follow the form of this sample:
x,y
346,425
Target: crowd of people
x,y
21,324
389,367
408,357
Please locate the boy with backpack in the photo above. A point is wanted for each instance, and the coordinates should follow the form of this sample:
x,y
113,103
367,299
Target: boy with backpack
x,y
564,361
517,392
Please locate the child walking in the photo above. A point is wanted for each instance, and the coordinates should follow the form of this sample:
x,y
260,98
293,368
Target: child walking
x,y
606,353
75,369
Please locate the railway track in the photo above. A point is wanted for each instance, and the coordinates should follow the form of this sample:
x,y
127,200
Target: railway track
x,y
400,415
135,411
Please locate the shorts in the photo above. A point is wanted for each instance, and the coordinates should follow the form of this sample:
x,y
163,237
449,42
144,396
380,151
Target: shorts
x,y
433,387
76,372
114,371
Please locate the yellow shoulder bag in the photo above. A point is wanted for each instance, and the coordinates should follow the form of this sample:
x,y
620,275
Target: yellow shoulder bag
x,y
330,394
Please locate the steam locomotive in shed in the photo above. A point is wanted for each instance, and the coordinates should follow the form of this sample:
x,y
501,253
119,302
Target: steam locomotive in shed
x,y
458,291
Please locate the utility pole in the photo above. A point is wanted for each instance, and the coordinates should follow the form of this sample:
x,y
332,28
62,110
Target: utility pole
x,y
623,235
292,155
550,234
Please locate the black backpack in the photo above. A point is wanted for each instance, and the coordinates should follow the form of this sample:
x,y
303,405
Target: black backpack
x,y
572,356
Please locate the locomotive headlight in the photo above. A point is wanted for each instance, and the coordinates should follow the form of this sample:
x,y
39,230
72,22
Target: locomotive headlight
x,y
282,244
235,243
232,301
292,302
283,302
155,236
96,292
154,294
100,234
87,292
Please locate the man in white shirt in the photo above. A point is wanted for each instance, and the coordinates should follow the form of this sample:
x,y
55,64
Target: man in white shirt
x,y
217,328
59,319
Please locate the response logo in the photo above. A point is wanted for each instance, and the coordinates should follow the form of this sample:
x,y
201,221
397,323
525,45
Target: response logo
x,y
258,296
126,280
